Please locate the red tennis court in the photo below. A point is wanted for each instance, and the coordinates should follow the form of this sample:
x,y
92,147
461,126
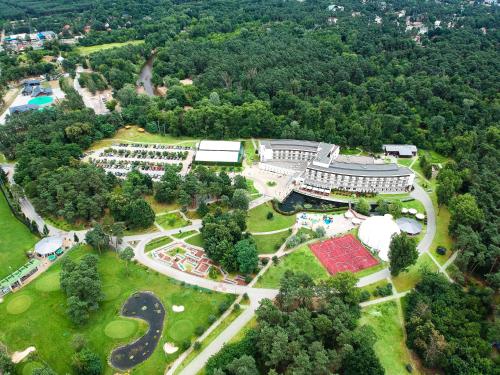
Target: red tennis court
x,y
343,254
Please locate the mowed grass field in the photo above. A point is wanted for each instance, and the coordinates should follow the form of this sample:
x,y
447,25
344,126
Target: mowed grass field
x,y
134,136
36,315
407,280
258,222
270,243
171,221
301,260
390,345
15,240
85,51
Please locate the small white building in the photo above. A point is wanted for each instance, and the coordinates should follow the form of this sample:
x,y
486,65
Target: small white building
x,y
48,246
218,152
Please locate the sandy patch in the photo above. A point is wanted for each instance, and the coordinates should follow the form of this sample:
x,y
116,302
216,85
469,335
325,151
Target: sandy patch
x,y
170,348
19,356
176,308
186,81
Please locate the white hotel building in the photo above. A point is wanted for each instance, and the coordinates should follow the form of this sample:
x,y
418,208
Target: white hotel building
x,y
319,168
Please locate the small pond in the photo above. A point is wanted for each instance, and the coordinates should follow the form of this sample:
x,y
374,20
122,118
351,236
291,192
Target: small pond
x,y
295,199
145,306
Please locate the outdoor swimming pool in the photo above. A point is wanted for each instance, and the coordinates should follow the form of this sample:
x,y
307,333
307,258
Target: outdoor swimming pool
x,y
41,100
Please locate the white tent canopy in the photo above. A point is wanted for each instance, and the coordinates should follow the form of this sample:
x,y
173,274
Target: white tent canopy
x,y
376,232
48,245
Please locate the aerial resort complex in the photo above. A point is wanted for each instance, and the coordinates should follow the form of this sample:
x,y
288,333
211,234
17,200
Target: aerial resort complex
x,y
249,188
318,167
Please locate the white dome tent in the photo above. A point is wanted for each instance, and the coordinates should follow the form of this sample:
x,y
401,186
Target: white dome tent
x,y
48,246
376,232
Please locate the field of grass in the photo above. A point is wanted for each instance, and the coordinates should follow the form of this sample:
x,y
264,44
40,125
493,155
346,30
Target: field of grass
x,y
3,159
15,240
171,221
442,238
433,156
270,243
133,232
63,224
406,162
257,219
159,208
133,135
157,242
196,240
371,287
184,234
250,155
390,345
84,51
216,332
301,260
407,280
369,271
44,323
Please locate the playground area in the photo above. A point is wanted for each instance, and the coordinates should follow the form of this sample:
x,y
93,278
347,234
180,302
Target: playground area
x,y
193,260
343,254
333,224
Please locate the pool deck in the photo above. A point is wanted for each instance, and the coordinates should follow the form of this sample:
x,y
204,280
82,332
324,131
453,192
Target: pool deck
x,y
57,94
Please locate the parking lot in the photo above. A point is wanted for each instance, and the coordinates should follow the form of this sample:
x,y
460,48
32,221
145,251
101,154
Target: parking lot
x,y
150,159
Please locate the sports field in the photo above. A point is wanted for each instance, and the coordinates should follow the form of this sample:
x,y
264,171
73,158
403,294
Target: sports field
x,y
343,254
36,315
15,240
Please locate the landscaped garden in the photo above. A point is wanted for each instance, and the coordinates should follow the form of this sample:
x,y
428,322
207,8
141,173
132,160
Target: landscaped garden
x,y
390,345
171,221
259,219
37,316
407,280
15,240
300,260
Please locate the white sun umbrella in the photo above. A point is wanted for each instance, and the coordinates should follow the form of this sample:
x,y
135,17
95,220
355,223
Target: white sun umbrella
x,y
404,210
412,211
348,214
420,216
389,216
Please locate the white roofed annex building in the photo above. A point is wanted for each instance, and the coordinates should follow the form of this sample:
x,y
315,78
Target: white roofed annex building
x,y
318,168
219,152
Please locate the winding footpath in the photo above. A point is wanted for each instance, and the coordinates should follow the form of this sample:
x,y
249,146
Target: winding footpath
x,y
255,294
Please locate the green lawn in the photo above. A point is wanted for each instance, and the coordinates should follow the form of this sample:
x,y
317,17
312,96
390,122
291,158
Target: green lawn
x,y
442,237
84,51
250,155
158,242
258,222
407,280
433,156
15,240
3,159
301,260
216,332
44,323
184,234
390,345
406,162
371,288
171,221
369,271
159,208
63,224
270,243
133,135
196,240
